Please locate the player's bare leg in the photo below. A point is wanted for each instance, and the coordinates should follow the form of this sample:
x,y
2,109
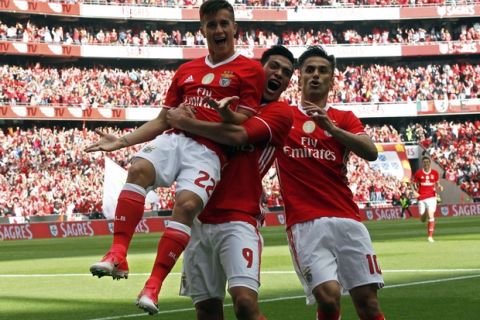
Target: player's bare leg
x,y
173,242
422,210
245,303
328,296
211,309
129,212
431,225
366,302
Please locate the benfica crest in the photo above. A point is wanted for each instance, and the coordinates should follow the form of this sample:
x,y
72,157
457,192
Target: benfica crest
x,y
226,78
110,227
53,230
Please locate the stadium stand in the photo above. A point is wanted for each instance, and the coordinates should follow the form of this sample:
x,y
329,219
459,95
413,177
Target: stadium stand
x,y
395,59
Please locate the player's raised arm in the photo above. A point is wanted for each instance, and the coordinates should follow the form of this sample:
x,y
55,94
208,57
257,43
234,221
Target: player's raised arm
x,y
146,132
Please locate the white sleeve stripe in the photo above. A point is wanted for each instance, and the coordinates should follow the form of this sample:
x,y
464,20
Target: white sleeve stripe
x,y
268,127
265,159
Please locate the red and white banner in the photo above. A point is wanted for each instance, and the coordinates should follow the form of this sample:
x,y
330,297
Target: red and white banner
x,y
446,210
440,48
73,229
439,11
441,107
40,7
242,13
380,110
147,225
392,160
62,113
188,53
131,12
39,49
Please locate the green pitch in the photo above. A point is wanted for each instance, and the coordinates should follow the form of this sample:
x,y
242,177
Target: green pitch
x,y
49,279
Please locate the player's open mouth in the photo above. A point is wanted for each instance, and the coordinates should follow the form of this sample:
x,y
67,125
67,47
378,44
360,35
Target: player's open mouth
x,y
273,85
315,84
220,41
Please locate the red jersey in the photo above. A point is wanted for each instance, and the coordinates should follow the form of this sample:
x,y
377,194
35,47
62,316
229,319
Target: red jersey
x,y
426,183
197,79
237,196
312,169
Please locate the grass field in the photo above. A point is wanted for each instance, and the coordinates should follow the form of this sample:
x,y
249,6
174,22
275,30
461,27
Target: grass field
x,y
49,279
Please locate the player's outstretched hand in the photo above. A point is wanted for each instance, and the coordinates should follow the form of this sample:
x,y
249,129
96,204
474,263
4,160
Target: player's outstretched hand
x,y
222,106
107,142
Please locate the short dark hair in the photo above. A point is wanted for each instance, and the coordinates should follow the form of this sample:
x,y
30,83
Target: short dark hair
x,y
317,51
213,6
426,158
277,50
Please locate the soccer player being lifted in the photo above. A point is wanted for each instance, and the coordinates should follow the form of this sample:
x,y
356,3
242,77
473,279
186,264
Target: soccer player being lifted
x,y
192,161
226,245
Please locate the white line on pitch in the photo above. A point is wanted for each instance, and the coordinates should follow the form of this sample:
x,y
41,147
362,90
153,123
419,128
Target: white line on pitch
x,y
416,283
263,272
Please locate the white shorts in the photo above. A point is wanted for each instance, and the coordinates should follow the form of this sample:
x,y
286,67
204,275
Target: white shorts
x,y
179,158
218,253
336,249
429,204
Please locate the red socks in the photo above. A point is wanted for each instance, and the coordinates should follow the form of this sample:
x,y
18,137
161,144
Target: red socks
x,y
328,316
170,247
431,227
129,212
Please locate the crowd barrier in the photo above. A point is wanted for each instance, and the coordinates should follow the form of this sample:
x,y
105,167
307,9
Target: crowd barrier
x,y
90,228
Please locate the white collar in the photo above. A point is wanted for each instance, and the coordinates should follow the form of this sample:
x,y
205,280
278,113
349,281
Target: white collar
x,y
231,58
300,108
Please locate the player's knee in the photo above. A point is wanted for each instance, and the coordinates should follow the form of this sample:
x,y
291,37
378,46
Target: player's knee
x,y
209,309
328,296
142,173
368,307
246,307
187,207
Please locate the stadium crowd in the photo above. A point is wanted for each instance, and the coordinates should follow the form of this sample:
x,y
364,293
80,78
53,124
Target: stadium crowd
x,y
102,86
158,34
456,147
45,171
274,3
